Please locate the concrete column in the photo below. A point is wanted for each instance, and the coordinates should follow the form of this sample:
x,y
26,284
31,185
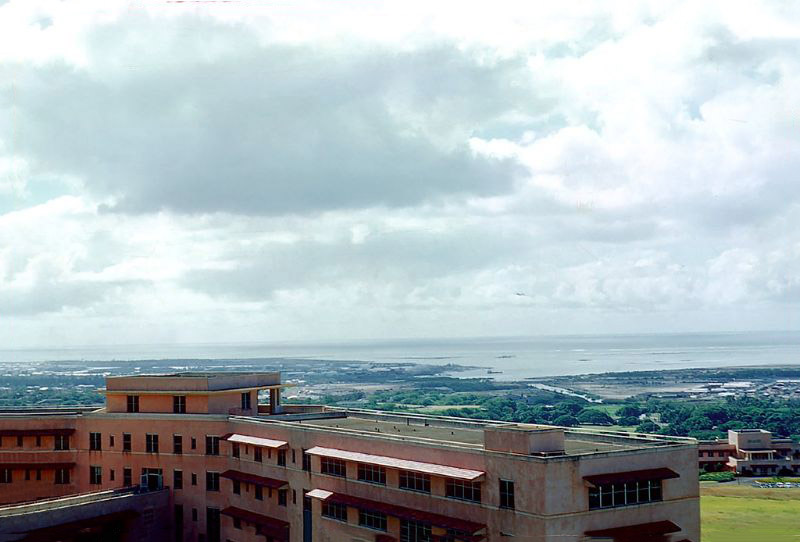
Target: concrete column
x,y
275,400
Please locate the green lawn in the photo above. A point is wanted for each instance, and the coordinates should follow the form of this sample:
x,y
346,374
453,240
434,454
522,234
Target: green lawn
x,y
733,513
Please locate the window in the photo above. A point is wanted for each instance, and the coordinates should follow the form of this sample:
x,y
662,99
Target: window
x,y
19,441
27,474
151,443
62,476
126,442
237,523
237,487
127,477
334,510
281,458
110,441
235,449
133,403
95,475
462,490
38,474
212,445
414,531
372,520
95,441
194,514
294,458
179,404
212,481
507,494
259,493
282,494
194,479
110,475
212,524
194,443
306,461
415,481
178,521
624,494
334,467
38,441
257,454
373,474
177,479
246,401
177,444
5,476
62,442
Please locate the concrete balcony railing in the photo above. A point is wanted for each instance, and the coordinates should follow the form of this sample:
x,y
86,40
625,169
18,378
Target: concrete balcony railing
x,y
32,457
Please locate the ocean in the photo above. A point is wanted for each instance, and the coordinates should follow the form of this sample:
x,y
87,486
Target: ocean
x,y
507,358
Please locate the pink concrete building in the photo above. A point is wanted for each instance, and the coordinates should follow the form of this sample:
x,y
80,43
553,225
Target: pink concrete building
x,y
240,471
750,452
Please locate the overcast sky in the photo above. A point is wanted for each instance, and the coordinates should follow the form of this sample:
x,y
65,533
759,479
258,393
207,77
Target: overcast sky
x,y
290,170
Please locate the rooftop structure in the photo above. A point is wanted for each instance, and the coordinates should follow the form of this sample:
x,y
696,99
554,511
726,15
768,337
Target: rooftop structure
x,y
238,470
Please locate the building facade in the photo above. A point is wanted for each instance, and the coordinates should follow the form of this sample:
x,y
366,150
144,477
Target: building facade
x,y
751,452
239,471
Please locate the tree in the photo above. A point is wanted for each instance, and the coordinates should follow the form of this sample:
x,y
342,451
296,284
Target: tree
x,y
591,416
566,420
633,411
628,420
647,426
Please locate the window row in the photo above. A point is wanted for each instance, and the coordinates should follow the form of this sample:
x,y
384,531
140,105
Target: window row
x,y
419,482
179,403
625,494
410,530
61,475
61,442
258,454
151,443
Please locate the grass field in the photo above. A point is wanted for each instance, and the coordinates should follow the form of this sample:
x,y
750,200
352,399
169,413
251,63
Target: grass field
x,y
739,513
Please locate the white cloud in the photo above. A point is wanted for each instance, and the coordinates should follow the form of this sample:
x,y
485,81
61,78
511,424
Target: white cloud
x,y
326,170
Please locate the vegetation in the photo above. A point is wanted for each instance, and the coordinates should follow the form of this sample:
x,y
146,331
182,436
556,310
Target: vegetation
x,y
733,513
717,476
482,399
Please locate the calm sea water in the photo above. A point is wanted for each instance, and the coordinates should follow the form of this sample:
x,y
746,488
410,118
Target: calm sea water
x,y
516,358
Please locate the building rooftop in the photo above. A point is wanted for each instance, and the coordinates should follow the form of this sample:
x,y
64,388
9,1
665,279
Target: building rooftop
x,y
192,382
470,433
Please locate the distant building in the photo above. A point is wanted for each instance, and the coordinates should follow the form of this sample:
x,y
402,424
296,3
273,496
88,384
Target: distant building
x,y
750,452
194,457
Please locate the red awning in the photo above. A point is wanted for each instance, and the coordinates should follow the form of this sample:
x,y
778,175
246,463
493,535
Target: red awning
x,y
34,432
29,465
384,538
636,532
254,479
267,525
631,476
438,520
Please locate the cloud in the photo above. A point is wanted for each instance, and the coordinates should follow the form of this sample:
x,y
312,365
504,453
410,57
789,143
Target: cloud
x,y
326,172
266,129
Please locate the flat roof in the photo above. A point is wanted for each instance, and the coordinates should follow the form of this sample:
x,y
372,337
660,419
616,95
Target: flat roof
x,y
469,433
192,382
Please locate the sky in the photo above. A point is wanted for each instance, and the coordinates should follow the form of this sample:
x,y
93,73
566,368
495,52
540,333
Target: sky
x,y
286,170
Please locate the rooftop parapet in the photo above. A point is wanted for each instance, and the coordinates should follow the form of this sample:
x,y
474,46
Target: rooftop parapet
x,y
192,382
